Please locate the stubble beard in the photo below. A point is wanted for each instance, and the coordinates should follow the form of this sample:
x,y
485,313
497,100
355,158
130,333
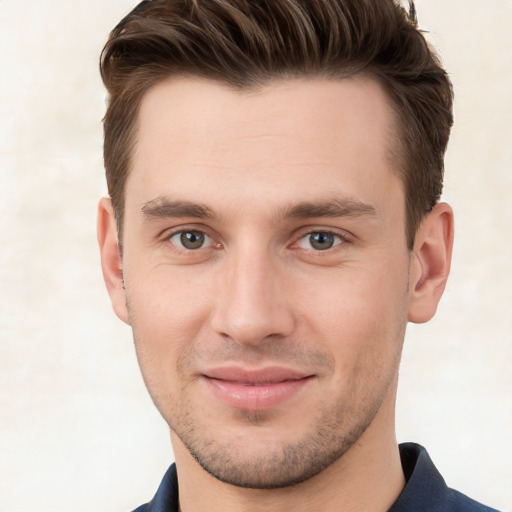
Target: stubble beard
x,y
255,460
333,429
273,467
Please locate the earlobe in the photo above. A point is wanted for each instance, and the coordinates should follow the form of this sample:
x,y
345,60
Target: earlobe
x,y
111,261
430,263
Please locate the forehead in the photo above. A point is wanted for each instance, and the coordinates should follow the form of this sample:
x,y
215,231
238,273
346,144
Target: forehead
x,y
298,137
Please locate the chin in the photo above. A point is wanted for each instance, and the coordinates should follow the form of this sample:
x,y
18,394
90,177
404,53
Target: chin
x,y
259,457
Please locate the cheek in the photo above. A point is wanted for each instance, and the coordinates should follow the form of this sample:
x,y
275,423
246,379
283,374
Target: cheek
x,y
361,317
167,301
167,312
356,298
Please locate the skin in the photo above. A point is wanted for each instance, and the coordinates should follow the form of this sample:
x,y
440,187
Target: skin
x,y
255,180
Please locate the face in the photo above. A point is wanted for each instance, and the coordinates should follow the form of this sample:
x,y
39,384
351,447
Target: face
x,y
266,273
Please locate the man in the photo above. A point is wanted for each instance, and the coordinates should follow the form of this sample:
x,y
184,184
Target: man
x,y
274,171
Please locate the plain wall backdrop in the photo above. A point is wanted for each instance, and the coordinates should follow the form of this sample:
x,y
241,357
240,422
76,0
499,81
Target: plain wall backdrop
x,y
78,431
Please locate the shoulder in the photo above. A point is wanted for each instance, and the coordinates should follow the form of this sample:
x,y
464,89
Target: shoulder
x,y
166,497
426,490
458,502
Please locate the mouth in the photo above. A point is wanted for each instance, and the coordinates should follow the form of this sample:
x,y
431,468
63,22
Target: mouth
x,y
255,390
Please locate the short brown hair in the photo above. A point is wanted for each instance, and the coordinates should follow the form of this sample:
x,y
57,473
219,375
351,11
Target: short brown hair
x,y
246,43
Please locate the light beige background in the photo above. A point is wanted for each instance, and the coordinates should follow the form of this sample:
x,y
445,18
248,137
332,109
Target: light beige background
x,y
78,432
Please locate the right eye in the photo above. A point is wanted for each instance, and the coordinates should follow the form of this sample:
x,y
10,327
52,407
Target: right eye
x,y
190,239
320,240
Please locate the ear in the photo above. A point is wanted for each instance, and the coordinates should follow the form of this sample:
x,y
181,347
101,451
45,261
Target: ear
x,y
111,261
430,263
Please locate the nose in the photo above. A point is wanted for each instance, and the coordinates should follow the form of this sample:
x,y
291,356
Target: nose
x,y
251,305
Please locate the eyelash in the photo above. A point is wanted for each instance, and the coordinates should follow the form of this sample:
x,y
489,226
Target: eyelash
x,y
338,240
181,232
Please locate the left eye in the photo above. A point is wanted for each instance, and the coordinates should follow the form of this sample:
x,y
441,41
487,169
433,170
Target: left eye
x,y
190,239
320,240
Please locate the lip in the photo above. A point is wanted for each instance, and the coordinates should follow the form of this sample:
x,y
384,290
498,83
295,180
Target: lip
x,y
255,389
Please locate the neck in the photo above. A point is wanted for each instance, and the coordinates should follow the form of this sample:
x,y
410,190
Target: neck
x,y
368,477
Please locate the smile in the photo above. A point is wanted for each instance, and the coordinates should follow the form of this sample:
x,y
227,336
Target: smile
x,y
255,390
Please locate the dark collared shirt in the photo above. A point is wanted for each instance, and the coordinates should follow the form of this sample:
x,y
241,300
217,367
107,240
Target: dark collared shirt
x,y
425,490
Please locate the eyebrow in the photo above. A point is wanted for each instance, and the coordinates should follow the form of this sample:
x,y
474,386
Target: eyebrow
x,y
163,207
346,207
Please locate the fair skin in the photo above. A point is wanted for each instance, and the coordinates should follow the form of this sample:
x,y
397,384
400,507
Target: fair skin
x,y
266,276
